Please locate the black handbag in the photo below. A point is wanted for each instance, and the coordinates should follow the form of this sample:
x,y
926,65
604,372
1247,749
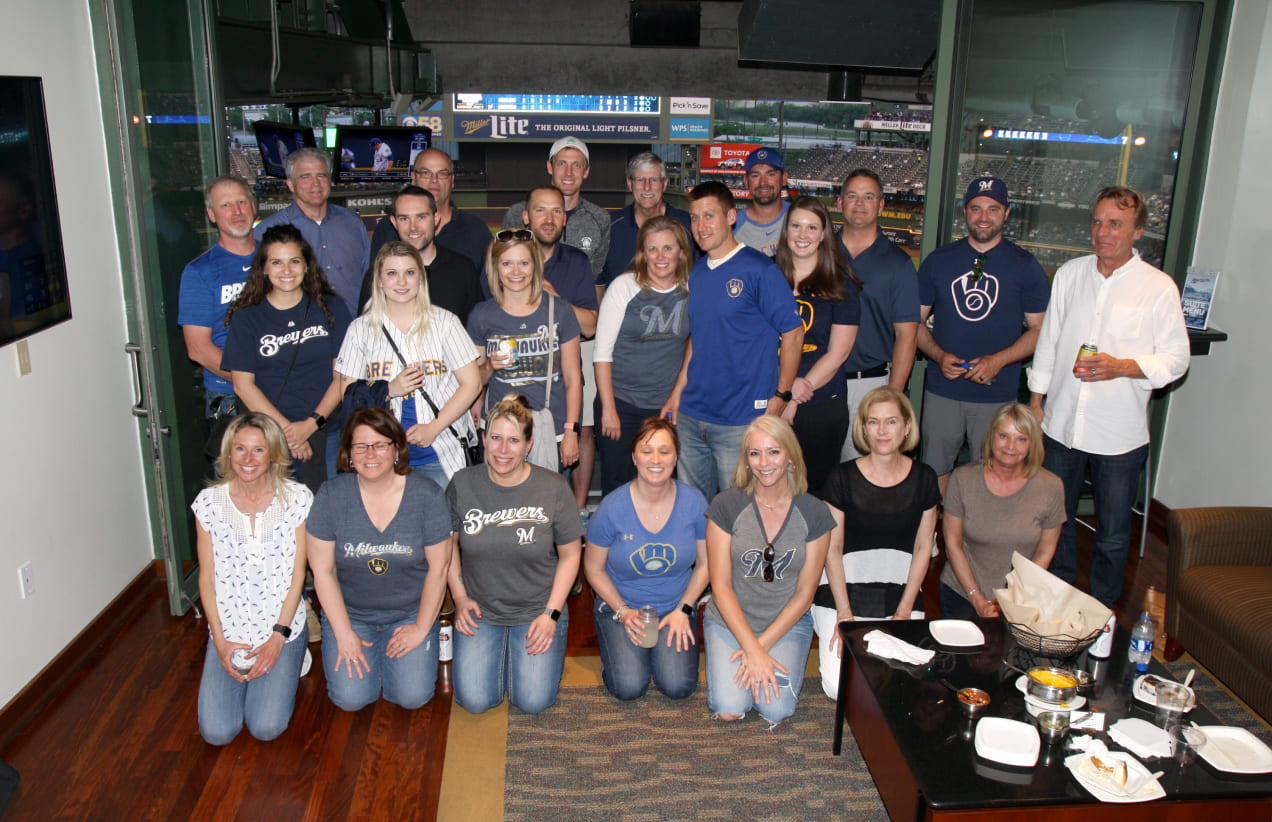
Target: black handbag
x,y
367,394
472,449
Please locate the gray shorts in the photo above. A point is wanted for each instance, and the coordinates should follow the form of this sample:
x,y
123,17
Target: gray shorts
x,y
946,423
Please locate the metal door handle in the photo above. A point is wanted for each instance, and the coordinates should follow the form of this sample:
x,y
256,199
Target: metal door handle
x,y
134,354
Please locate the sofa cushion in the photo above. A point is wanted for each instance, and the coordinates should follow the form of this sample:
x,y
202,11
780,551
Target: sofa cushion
x,y
1225,611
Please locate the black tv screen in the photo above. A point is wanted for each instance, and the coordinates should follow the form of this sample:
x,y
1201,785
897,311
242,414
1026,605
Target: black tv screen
x,y
33,291
378,154
277,140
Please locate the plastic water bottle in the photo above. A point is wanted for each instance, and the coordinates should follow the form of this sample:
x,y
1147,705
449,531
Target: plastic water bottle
x,y
1141,649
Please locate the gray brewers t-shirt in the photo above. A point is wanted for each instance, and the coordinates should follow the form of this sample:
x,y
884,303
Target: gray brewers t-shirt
x,y
994,527
734,511
381,573
508,539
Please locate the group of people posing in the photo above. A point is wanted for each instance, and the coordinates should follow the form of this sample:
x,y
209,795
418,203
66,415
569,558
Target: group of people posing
x,y
685,385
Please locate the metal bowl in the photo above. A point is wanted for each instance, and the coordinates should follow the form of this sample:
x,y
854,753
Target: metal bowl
x,y
1055,685
1053,726
973,701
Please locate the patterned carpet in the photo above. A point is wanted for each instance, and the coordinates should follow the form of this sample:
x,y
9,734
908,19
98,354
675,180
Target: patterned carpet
x,y
1219,702
593,757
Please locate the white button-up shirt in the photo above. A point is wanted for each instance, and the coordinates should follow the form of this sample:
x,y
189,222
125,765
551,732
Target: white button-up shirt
x,y
1132,314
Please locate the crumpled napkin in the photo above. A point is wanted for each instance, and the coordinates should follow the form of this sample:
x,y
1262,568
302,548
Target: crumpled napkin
x,y
889,647
1046,604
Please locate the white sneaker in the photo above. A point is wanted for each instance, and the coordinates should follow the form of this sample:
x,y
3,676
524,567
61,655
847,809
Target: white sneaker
x,y
307,664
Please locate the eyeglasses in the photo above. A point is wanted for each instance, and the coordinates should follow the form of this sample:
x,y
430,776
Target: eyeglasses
x,y
508,234
769,556
361,448
978,268
430,174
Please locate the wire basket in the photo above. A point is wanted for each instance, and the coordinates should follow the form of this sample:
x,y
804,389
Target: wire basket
x,y
1060,646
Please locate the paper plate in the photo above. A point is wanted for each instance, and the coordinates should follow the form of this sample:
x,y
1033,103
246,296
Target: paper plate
x,y
1146,788
957,633
1007,741
1234,750
1145,693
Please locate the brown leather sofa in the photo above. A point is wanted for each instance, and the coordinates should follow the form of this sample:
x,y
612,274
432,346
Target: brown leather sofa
x,y
1219,596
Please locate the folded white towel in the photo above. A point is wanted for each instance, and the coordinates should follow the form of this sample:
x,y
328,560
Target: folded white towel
x,y
889,647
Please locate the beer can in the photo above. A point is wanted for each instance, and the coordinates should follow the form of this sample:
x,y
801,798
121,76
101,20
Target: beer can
x,y
508,349
1087,350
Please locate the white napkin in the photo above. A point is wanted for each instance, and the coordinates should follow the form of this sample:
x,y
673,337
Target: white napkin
x,y
1140,737
889,647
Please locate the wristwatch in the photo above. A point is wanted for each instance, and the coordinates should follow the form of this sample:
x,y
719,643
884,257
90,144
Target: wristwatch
x,y
321,420
572,426
687,608
784,396
552,612
284,630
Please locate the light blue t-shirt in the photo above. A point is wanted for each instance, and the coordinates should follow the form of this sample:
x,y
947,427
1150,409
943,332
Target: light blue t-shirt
x,y
650,568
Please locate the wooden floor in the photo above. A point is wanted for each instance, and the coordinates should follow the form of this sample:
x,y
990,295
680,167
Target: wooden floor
x,y
121,741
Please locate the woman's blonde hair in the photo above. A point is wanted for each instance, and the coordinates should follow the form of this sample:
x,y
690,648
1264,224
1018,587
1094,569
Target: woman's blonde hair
x,y
781,432
516,408
513,237
280,461
1022,419
884,393
640,266
378,304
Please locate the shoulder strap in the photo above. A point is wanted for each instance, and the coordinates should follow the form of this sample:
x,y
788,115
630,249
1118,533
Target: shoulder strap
x,y
432,406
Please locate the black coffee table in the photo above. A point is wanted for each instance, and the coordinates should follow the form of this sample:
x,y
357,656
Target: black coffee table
x,y
919,749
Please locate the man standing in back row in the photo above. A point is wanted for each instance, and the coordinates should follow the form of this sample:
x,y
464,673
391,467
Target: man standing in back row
x,y
211,282
889,297
986,297
742,308
336,234
588,228
457,230
760,225
1096,409
647,181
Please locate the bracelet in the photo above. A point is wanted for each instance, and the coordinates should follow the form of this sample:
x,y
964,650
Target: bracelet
x,y
969,593
618,613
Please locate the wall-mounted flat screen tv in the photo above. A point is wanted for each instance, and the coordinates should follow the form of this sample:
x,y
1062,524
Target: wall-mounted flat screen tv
x,y
378,154
33,291
276,141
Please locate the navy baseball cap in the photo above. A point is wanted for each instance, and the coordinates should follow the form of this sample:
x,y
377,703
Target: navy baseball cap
x,y
991,187
764,157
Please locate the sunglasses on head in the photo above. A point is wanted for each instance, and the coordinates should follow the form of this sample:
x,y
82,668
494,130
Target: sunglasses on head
x,y
769,556
521,234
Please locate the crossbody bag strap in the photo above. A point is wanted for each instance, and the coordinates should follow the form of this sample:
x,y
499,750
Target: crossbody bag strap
x,y
547,384
432,406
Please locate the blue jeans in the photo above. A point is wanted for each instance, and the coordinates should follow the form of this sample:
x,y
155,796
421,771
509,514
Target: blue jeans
x,y
708,454
408,680
1115,482
616,455
434,471
724,696
264,704
494,661
219,405
626,668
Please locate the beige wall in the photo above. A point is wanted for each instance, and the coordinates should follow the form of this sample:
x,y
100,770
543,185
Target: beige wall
x,y
1218,448
72,499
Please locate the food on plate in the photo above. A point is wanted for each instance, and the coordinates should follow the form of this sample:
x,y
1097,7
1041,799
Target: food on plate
x,y
974,696
1114,770
1054,679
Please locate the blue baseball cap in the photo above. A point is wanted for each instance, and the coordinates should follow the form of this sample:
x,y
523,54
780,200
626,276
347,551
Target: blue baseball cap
x,y
991,187
764,157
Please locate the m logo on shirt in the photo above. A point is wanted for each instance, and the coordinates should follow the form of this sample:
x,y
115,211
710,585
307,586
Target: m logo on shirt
x,y
660,324
974,299
525,536
734,287
754,562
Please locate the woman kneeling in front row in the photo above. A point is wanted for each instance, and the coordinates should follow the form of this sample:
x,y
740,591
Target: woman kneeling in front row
x,y
766,545
646,546
518,534
379,547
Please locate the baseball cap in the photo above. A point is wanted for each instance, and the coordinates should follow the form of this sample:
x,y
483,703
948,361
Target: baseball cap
x,y
991,187
765,157
569,142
